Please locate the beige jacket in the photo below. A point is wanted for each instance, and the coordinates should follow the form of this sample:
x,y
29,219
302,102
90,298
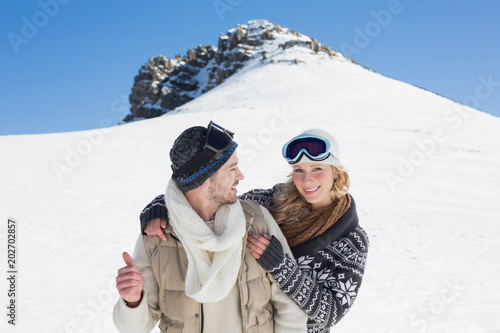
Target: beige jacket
x,y
263,306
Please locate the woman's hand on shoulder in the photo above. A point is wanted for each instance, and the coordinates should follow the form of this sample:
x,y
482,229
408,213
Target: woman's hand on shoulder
x,y
156,227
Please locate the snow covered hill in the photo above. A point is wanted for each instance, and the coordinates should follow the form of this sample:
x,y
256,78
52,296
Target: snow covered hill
x,y
163,84
425,173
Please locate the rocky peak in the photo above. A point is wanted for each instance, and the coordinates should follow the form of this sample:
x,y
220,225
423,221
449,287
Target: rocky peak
x,y
164,84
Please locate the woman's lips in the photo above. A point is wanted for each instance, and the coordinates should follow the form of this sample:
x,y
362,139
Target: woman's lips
x,y
311,191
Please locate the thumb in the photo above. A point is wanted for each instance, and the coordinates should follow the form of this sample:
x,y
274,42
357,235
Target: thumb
x,y
128,259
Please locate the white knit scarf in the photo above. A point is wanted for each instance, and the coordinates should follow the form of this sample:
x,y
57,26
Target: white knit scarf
x,y
207,281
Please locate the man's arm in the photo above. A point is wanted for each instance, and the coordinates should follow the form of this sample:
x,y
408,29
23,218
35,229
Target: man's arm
x,y
143,317
288,316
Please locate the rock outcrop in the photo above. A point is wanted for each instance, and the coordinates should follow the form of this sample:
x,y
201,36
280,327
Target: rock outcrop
x,y
164,84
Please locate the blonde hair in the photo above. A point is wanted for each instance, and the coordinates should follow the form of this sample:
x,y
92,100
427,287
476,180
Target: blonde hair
x,y
289,205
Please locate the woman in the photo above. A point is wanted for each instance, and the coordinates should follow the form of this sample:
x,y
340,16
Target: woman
x,y
318,218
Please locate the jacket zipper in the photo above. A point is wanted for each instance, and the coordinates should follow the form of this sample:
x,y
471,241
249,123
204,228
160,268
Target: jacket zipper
x,y
201,317
201,304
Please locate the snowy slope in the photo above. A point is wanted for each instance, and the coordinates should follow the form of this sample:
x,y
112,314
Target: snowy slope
x,y
425,175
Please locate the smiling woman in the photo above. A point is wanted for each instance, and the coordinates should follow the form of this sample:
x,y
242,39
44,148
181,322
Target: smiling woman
x,y
318,218
314,182
318,177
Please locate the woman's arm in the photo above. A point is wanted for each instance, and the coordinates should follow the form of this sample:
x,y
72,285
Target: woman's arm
x,y
325,293
263,197
156,209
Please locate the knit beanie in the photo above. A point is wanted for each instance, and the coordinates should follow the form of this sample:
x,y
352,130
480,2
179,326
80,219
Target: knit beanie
x,y
334,156
187,145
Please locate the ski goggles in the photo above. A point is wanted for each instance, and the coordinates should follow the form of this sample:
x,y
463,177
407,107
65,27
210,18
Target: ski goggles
x,y
314,147
218,139
217,142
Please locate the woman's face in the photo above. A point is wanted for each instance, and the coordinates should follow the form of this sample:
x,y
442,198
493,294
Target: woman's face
x,y
314,181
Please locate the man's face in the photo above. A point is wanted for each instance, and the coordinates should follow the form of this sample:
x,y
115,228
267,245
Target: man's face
x,y
222,184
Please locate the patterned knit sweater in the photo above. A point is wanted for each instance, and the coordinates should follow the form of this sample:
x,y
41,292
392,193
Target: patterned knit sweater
x,y
325,279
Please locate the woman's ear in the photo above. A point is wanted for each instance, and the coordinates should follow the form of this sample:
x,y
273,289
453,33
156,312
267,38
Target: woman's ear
x,y
335,173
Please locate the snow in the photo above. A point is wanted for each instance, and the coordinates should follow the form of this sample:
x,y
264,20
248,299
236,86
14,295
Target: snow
x,y
202,78
425,174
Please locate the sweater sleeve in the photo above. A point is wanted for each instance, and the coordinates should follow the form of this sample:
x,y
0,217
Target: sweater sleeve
x,y
142,318
327,297
288,316
156,209
263,197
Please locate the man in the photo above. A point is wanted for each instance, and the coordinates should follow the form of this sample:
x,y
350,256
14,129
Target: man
x,y
202,278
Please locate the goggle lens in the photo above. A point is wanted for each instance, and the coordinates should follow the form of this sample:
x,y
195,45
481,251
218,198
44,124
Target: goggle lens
x,y
218,138
314,147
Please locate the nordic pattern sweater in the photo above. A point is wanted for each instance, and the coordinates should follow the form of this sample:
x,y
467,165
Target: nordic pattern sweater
x,y
329,270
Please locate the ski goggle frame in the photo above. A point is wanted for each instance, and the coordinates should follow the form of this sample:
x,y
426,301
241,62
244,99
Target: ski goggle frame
x,y
314,147
217,140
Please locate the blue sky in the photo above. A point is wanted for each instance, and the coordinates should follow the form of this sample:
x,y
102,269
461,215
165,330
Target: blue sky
x,y
69,65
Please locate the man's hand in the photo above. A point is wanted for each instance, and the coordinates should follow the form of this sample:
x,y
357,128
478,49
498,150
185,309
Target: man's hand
x,y
258,244
155,228
129,282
